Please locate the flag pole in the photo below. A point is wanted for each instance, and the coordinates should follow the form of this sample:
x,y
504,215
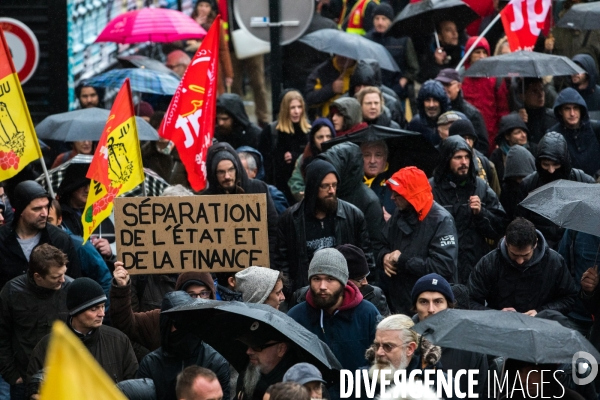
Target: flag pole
x,y
50,190
472,48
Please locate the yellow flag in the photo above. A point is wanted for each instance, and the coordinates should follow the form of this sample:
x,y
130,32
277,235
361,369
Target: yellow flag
x,y
117,164
72,373
18,142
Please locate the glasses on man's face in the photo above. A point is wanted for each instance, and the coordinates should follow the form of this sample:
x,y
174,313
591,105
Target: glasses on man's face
x,y
258,349
205,294
327,186
230,171
387,347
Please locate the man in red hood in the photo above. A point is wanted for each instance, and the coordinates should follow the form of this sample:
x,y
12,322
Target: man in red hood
x,y
419,239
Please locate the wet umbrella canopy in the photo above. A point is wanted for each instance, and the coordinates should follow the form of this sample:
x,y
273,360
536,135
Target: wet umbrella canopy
x,y
507,334
230,321
581,16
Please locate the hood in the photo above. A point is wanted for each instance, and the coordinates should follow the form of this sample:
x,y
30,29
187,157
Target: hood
x,y
376,70
198,278
586,62
507,124
352,298
233,105
347,159
553,146
483,44
412,184
350,108
363,75
217,153
519,163
260,175
311,148
447,149
74,177
538,253
24,193
315,172
171,300
434,89
570,96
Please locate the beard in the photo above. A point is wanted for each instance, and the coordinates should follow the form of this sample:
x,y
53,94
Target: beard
x,y
251,378
383,364
328,205
326,303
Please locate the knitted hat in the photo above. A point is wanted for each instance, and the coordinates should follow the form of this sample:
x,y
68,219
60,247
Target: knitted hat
x,y
357,262
303,373
384,9
463,127
143,109
432,283
329,262
83,294
256,283
25,193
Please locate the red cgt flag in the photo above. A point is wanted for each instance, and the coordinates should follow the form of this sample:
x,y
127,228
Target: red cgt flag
x,y
190,119
523,21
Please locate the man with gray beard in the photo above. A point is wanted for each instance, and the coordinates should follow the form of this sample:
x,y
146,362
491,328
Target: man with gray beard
x,y
268,361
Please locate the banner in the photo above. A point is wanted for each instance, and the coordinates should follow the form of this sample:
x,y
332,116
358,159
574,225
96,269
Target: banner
x,y
190,119
523,21
117,164
18,142
166,235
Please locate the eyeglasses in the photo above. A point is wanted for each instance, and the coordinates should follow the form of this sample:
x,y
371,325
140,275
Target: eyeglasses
x,y
230,171
387,347
205,294
260,348
327,186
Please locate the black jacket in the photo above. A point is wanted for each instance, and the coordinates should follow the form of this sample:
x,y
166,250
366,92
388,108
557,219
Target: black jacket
x,y
350,228
591,94
460,104
27,312
244,133
347,160
542,283
164,363
554,147
453,194
427,246
13,262
244,185
423,124
582,142
71,218
539,121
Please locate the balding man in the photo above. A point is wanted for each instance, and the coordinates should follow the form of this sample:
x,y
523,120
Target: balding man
x,y
178,61
198,383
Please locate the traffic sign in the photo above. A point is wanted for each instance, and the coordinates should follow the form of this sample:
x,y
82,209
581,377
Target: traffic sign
x,y
23,45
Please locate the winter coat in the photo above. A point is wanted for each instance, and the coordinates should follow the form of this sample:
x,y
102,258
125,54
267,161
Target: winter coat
x,y
244,133
489,95
138,389
519,163
554,147
423,124
542,283
12,259
71,219
351,110
539,121
347,159
379,186
348,332
349,227
426,246
425,48
148,291
372,294
165,363
583,142
570,42
454,195
507,124
27,312
384,119
319,92
472,113
110,348
591,94
244,185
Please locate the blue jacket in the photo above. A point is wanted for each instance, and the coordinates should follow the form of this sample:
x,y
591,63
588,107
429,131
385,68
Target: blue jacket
x,y
348,332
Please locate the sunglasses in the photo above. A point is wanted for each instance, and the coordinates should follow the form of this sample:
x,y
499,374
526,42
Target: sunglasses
x,y
260,348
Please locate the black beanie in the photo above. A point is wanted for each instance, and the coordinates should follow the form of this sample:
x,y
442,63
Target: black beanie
x,y
462,127
384,9
83,294
356,260
25,193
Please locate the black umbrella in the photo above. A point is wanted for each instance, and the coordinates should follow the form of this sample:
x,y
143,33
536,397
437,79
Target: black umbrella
x,y
523,64
581,16
356,47
220,324
421,18
504,333
406,148
572,205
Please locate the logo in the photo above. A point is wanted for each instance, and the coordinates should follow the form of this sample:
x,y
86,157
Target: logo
x,y
447,240
585,368
254,326
434,282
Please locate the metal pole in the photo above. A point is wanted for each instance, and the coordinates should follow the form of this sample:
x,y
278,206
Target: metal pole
x,y
50,190
468,53
276,71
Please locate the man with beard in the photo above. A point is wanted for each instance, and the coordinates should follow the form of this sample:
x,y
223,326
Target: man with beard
x,y
335,310
432,102
552,162
268,360
319,221
233,124
477,212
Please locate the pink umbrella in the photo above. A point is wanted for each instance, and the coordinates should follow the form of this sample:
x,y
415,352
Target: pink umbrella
x,y
151,25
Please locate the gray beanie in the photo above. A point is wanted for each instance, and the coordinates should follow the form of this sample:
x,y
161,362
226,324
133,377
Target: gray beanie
x,y
256,283
329,262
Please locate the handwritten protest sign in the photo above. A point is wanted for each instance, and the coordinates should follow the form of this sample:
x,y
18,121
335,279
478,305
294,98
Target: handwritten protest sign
x,y
164,235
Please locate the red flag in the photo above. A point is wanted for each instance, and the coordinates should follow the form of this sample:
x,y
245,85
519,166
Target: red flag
x,y
190,119
523,21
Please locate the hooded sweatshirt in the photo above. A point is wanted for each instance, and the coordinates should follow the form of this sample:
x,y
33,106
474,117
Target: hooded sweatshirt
x,y
244,132
582,142
351,110
591,94
423,124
